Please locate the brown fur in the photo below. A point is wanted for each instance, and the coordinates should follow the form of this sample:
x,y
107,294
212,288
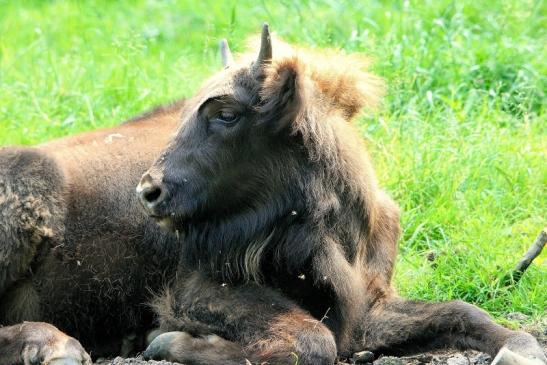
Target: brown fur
x,y
75,249
289,243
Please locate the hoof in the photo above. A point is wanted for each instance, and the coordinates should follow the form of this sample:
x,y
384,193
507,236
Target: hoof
x,y
161,347
151,336
64,361
508,357
184,348
42,344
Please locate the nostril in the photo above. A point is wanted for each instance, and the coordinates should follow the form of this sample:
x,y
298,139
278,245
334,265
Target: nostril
x,y
151,195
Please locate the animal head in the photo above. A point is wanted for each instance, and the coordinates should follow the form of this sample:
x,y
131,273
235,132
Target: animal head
x,y
264,144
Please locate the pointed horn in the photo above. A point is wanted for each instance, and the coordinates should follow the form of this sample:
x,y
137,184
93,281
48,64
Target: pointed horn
x,y
265,54
225,53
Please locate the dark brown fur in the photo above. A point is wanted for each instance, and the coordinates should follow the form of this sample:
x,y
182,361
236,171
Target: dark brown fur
x,y
75,248
289,243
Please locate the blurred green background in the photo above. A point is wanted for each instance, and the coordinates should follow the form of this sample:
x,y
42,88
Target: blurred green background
x,y
459,141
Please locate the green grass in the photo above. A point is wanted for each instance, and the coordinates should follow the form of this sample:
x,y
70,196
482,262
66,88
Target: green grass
x,y
460,141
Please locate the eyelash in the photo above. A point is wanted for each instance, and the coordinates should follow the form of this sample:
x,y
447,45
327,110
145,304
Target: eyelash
x,y
220,118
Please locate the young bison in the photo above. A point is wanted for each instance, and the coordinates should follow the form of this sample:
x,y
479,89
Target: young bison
x,y
289,243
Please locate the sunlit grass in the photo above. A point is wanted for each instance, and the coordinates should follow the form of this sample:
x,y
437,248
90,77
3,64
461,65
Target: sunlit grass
x,y
460,141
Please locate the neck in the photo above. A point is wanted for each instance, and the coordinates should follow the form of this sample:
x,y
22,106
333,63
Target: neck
x,y
233,249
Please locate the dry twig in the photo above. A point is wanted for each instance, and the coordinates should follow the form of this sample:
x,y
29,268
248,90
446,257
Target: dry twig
x,y
529,256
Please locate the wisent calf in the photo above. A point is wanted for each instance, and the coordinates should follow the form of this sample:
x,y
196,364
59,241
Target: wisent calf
x,y
289,243
277,244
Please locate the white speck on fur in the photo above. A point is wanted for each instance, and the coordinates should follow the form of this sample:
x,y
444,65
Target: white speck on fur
x,y
110,138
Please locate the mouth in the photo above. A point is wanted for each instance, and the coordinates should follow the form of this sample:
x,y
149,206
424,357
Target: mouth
x,y
164,222
170,222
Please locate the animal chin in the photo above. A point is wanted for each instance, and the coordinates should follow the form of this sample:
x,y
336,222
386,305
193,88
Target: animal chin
x,y
165,223
172,223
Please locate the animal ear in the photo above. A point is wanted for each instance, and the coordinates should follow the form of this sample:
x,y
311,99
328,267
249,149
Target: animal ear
x,y
282,94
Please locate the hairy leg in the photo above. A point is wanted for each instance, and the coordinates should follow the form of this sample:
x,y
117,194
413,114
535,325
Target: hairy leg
x,y
38,343
255,323
31,220
31,210
402,327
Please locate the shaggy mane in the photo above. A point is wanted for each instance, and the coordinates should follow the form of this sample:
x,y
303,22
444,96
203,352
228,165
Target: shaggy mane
x,y
318,92
342,78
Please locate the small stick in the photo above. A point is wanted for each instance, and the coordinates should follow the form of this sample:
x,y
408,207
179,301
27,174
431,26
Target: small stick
x,y
530,255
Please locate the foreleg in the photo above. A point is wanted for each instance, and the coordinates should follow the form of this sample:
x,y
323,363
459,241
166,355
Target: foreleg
x,y
402,327
254,323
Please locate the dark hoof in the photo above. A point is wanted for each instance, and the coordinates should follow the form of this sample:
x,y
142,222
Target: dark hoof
x,y
161,347
363,357
151,336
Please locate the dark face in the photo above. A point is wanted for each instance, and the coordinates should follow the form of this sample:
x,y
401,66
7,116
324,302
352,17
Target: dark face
x,y
213,167
222,162
232,153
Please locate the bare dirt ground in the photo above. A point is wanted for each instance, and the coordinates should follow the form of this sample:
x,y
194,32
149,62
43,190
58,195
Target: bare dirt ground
x,y
445,357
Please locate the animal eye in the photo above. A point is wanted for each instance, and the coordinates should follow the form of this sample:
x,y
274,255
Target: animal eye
x,y
227,117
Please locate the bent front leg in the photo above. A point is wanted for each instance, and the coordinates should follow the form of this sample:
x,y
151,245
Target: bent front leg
x,y
402,327
38,343
255,323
